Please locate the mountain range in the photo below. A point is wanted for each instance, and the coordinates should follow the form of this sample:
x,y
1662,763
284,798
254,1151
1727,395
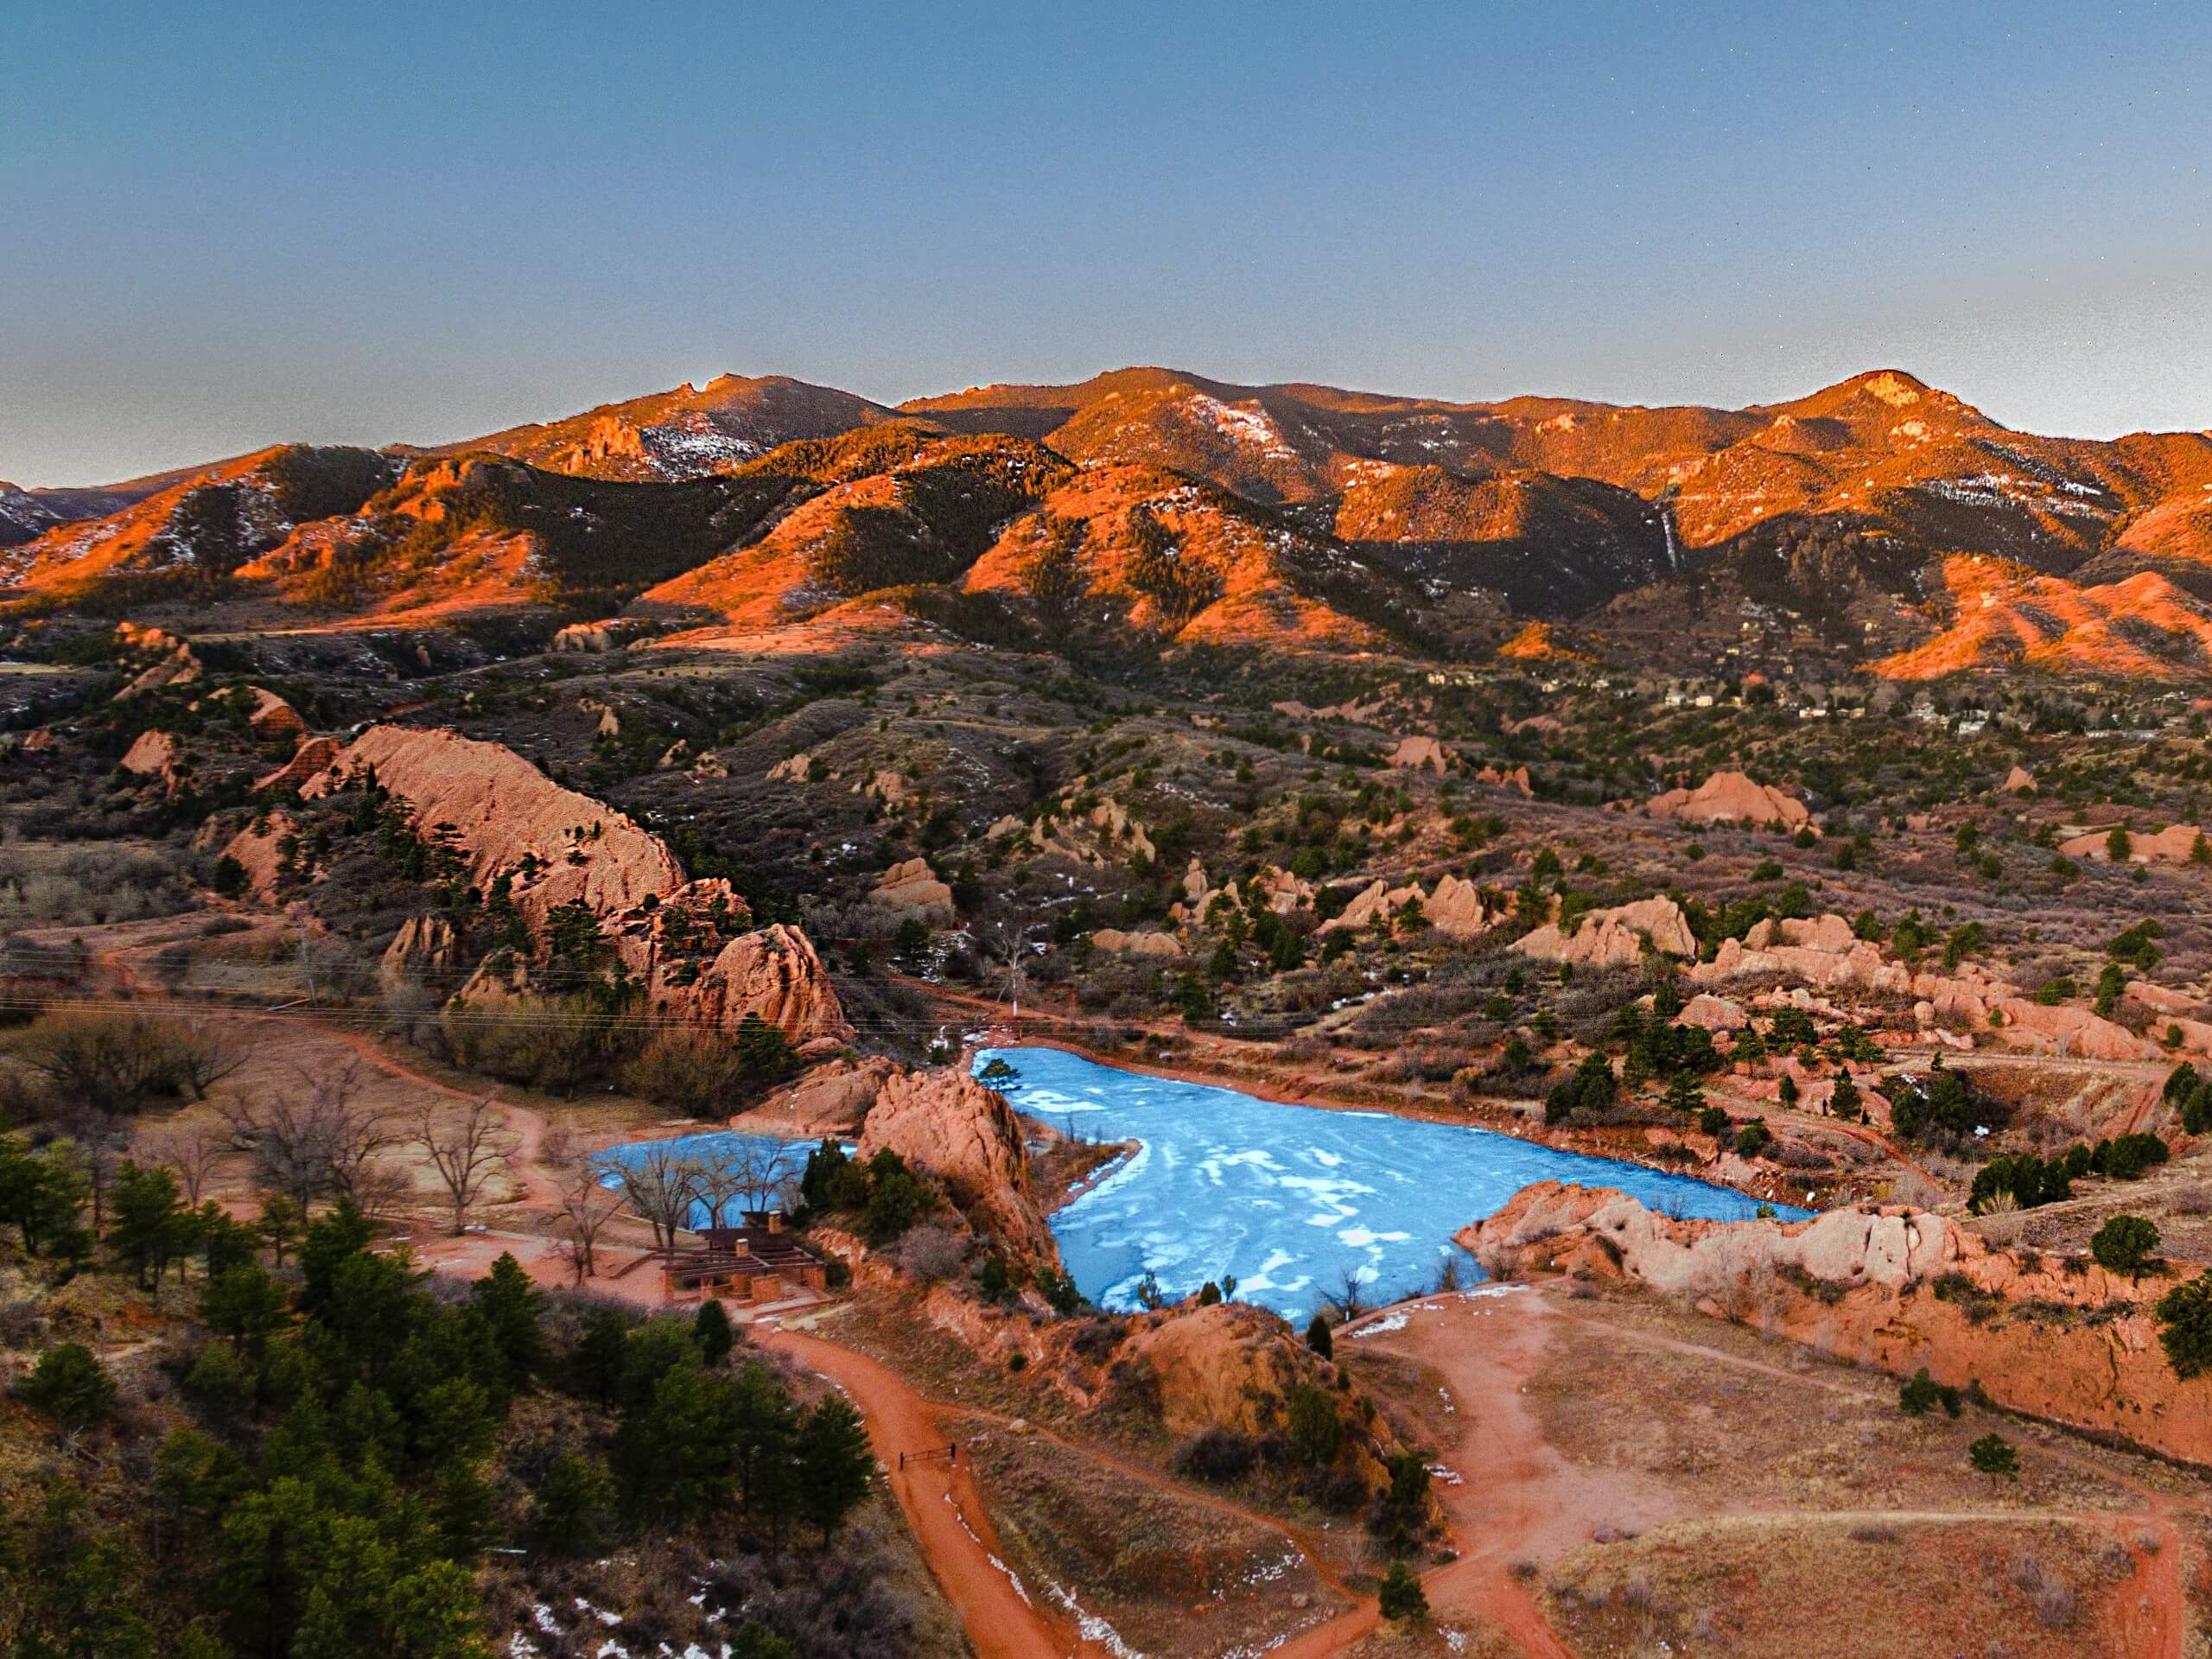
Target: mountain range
x,y
1878,522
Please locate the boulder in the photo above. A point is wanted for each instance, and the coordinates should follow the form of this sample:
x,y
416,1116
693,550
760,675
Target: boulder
x,y
2019,781
912,887
1730,797
1714,1013
1616,938
946,1123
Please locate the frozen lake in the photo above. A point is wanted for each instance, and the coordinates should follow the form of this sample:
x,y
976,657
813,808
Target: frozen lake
x,y
1288,1197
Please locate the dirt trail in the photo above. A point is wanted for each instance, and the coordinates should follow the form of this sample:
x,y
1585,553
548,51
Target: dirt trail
x,y
1524,1500
943,1508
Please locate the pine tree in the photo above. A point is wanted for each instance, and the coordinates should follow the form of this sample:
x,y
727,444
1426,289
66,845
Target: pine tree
x,y
1319,1339
835,1464
711,1329
1401,1596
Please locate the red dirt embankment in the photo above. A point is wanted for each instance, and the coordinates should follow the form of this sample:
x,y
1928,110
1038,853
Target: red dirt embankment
x,y
1894,1289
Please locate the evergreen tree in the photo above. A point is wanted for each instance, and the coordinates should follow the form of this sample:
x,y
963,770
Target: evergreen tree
x,y
1319,1339
711,1330
835,1464
1401,1596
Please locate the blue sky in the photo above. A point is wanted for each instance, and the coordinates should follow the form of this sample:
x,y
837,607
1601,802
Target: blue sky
x,y
231,224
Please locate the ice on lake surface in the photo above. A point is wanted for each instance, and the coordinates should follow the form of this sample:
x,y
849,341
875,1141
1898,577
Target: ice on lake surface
x,y
1288,1197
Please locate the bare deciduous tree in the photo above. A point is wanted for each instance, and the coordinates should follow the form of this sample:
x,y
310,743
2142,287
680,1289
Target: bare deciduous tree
x,y
767,1174
586,1208
716,1177
193,1155
465,1147
205,1057
657,1182
316,1136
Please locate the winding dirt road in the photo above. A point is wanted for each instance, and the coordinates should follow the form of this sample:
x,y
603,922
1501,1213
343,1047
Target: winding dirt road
x,y
942,1505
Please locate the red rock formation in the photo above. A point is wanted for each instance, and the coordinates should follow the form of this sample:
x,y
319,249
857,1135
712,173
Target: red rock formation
x,y
1616,938
2175,844
967,1137
272,718
155,755
1861,1283
316,755
511,817
774,973
1730,797
1415,753
424,946
913,889
258,851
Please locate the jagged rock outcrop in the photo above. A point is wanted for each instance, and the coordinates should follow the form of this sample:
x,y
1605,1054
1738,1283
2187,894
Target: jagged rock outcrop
x,y
946,1122
1376,898
1517,778
2064,1340
584,636
1616,938
317,754
1456,909
2019,781
559,845
1730,797
679,938
425,947
173,664
773,972
1821,953
912,888
1893,1247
